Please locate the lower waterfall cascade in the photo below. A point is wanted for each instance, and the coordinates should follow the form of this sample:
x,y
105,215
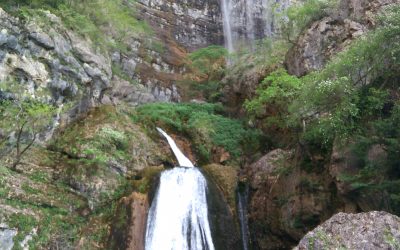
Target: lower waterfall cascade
x,y
178,216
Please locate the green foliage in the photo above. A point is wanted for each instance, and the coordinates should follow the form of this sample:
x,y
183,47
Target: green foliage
x,y
26,118
354,101
203,124
298,16
337,101
171,115
107,23
12,4
203,59
208,68
276,91
104,137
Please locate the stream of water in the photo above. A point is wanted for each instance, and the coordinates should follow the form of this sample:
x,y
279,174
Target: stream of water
x,y
178,216
245,22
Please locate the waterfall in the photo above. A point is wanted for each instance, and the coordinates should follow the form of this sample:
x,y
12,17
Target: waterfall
x,y
246,21
242,212
182,159
226,9
178,216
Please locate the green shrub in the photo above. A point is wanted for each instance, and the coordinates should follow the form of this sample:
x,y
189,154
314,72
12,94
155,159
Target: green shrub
x,y
276,91
204,124
207,68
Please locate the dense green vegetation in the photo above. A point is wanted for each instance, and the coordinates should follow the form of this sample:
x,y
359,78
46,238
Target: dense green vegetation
x,y
204,125
354,99
207,68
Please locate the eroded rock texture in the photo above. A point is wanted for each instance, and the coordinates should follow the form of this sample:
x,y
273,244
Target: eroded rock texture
x,y
373,230
332,34
50,63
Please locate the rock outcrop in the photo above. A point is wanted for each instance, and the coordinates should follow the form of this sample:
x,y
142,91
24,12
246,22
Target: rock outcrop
x,y
50,63
192,24
158,60
240,83
373,230
330,35
55,65
287,200
6,236
130,223
289,197
106,145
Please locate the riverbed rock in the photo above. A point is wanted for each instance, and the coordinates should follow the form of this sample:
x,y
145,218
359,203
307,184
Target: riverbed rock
x,y
372,230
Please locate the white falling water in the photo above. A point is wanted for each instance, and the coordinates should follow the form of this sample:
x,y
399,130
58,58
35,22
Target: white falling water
x,y
226,9
182,159
246,21
178,216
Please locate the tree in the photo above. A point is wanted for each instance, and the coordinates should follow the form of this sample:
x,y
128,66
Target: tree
x,y
21,122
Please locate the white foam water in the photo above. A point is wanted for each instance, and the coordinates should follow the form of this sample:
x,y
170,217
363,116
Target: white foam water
x,y
178,216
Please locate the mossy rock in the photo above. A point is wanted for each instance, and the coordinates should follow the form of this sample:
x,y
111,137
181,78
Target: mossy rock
x,y
226,178
106,136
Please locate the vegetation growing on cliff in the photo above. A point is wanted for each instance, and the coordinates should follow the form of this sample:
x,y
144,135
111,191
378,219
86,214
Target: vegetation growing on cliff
x,y
106,23
204,125
299,16
207,68
355,98
27,119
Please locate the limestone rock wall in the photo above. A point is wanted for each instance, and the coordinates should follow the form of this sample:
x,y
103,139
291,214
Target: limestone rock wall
x,y
330,35
50,63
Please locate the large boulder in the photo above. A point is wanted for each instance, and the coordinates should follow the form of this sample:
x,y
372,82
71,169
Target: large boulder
x,y
372,230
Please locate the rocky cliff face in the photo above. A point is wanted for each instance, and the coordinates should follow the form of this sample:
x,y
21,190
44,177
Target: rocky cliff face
x,y
178,27
58,66
289,197
51,63
192,24
330,35
286,201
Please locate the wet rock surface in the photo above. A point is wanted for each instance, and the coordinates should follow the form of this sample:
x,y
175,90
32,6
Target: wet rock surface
x,y
286,201
130,223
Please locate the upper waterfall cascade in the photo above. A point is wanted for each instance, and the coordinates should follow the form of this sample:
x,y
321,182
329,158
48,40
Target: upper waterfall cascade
x,y
178,216
245,21
182,159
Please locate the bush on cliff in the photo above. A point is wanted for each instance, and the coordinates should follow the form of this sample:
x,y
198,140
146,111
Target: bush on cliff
x,y
204,125
355,98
